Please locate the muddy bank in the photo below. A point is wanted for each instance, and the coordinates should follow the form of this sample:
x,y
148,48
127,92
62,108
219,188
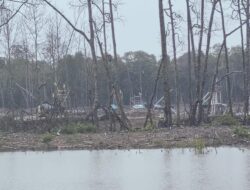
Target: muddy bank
x,y
159,138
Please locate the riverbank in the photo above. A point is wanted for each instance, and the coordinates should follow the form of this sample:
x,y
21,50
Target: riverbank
x,y
159,138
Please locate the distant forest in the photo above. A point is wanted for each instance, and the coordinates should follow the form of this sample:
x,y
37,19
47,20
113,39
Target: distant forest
x,y
136,74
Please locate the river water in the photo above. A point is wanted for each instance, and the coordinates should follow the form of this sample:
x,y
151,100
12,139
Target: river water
x,y
176,169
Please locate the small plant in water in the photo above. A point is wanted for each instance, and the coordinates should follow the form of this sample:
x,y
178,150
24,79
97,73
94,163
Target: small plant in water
x,y
199,146
47,138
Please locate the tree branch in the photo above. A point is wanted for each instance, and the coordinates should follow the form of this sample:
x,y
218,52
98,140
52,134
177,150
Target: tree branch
x,y
13,15
228,74
67,20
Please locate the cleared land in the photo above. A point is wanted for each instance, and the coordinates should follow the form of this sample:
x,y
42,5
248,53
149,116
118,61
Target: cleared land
x,y
158,138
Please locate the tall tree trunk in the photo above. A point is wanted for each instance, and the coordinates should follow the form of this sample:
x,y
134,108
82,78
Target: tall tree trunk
x,y
247,57
193,105
199,60
200,117
167,98
190,97
93,53
214,79
105,61
125,122
227,61
149,111
175,64
243,63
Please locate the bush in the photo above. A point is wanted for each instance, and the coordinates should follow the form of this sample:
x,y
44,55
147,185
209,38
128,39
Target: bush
x,y
79,128
242,132
86,128
149,127
226,120
69,130
47,138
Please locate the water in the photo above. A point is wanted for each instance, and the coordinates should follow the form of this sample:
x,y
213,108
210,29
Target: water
x,y
177,169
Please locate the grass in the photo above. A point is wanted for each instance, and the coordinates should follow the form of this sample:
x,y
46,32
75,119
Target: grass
x,y
149,127
199,145
74,128
69,130
225,120
242,132
86,128
47,138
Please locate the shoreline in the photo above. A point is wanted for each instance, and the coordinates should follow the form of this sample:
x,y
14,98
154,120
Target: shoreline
x,y
185,137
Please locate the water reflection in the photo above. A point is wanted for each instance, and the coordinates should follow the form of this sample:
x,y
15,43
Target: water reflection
x,y
177,169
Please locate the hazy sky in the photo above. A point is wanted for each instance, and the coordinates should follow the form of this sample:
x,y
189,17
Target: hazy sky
x,y
139,28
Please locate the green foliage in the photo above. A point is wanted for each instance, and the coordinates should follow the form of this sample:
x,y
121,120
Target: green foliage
x,y
79,128
47,138
69,129
225,120
199,145
85,128
149,127
242,132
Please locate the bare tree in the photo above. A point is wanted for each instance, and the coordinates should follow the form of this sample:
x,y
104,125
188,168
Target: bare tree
x,y
247,67
7,35
191,57
125,122
199,60
165,63
245,81
173,23
204,78
227,60
91,42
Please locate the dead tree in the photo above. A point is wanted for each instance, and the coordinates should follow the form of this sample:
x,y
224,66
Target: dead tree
x,y
91,42
172,20
7,35
246,99
125,122
247,66
34,26
217,64
191,58
199,60
204,75
165,65
149,111
227,60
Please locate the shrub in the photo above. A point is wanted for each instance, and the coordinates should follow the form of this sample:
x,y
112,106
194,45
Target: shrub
x,y
226,120
79,128
149,127
47,138
69,130
86,128
242,132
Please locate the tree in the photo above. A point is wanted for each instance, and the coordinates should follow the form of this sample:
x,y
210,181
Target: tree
x,y
91,42
204,75
172,20
227,61
165,65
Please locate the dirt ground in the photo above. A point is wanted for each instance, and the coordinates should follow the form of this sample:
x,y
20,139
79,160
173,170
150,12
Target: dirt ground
x,y
158,138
